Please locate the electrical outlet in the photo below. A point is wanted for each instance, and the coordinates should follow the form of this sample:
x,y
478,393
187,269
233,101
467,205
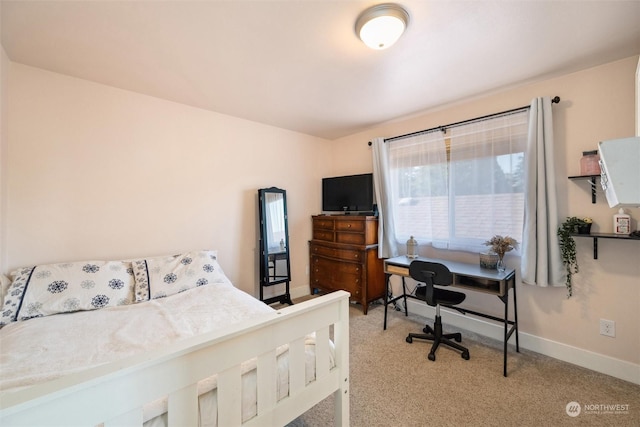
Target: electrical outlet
x,y
607,327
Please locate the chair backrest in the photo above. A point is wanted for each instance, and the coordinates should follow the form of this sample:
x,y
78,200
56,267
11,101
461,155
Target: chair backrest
x,y
430,273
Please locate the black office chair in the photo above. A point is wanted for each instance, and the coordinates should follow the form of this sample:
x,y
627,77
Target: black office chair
x,y
431,273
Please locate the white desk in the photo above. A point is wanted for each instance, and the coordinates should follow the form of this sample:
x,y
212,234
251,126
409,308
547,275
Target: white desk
x,y
465,276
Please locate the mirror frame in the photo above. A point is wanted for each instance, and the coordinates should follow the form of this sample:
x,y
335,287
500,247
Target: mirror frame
x,y
265,280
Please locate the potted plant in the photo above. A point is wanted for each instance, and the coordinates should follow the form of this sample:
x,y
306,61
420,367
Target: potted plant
x,y
571,225
584,225
501,245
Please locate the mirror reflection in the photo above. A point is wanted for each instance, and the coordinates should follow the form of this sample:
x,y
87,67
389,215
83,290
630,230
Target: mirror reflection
x,y
274,243
274,217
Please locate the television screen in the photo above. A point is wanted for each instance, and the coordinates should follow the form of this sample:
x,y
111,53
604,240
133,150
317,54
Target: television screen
x,y
353,193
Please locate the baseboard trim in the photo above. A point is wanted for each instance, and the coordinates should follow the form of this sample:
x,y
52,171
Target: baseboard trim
x,y
587,359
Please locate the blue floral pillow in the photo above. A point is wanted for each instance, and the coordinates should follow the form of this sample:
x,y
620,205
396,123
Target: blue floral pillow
x,y
44,290
169,275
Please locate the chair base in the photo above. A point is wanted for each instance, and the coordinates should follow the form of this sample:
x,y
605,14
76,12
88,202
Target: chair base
x,y
435,334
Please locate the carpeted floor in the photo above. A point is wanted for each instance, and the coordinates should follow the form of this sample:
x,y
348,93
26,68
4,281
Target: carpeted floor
x,y
393,384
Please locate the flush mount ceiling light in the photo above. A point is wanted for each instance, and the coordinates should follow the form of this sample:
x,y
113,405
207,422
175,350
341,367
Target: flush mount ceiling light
x,y
382,25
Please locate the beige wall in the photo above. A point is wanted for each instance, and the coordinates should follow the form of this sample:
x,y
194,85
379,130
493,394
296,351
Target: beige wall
x,y
596,104
4,84
98,172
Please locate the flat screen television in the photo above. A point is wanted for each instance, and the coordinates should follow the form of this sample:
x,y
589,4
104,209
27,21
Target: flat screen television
x,y
348,194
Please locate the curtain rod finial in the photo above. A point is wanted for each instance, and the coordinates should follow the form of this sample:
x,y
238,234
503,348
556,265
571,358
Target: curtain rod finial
x,y
555,100
369,143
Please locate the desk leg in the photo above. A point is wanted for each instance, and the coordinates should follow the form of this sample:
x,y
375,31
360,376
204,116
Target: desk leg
x,y
515,313
404,294
506,330
386,298
507,333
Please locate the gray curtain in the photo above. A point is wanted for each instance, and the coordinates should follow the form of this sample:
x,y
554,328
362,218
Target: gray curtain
x,y
387,247
541,262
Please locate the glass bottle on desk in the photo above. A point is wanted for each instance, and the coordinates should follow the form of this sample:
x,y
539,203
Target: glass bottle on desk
x,y
412,248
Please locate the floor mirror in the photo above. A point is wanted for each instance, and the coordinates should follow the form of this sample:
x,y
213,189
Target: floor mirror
x,y
275,268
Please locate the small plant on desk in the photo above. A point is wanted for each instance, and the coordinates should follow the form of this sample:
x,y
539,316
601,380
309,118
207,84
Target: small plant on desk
x,y
501,245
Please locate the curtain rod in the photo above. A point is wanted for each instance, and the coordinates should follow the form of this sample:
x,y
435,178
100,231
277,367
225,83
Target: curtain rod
x,y
555,100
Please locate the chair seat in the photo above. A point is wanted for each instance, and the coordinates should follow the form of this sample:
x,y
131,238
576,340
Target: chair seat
x,y
441,296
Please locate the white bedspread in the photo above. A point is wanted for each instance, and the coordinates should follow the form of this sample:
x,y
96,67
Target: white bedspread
x,y
45,348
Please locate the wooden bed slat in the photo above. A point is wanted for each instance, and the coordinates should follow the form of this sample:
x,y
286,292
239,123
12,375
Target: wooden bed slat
x,y
322,352
229,397
183,406
131,418
296,366
267,381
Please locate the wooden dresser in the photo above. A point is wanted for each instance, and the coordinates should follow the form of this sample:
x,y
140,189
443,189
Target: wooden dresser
x,y
343,254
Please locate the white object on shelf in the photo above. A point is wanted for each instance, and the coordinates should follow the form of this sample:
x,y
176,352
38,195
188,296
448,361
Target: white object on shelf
x,y
590,163
621,222
620,174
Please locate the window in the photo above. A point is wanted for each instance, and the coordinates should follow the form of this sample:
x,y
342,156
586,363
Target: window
x,y
457,190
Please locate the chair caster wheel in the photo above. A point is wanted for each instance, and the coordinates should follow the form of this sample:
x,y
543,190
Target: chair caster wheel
x,y
465,355
432,357
458,339
409,340
425,330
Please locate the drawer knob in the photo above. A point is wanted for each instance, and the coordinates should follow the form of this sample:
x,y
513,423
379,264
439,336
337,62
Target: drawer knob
x,y
348,225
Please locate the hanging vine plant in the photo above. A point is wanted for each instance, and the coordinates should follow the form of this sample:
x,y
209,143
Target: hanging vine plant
x,y
568,247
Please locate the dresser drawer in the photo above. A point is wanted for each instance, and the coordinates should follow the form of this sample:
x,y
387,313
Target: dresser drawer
x,y
324,235
351,238
319,271
350,225
321,264
343,254
323,223
333,275
344,283
351,283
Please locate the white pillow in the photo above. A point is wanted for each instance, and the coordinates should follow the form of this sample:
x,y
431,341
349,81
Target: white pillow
x,y
168,275
44,290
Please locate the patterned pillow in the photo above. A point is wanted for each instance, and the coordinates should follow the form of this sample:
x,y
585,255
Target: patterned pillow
x,y
163,276
44,290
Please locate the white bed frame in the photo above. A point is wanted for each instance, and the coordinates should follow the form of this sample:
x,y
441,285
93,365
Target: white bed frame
x,y
114,394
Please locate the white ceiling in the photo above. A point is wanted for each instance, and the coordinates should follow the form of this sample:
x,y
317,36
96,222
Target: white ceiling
x,y
298,64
